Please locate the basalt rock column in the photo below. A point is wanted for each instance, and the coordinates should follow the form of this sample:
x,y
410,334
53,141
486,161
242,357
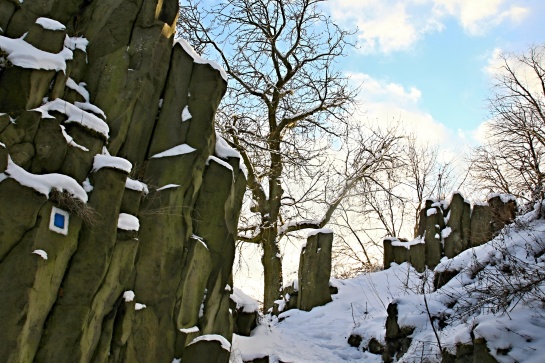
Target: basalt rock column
x,y
315,270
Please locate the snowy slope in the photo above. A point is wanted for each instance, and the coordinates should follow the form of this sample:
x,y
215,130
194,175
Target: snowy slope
x,y
513,262
321,335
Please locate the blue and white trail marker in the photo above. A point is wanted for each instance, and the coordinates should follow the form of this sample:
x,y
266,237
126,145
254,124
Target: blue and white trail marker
x,y
58,222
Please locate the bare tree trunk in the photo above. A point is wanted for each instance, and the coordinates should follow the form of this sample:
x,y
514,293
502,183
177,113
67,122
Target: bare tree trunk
x,y
272,266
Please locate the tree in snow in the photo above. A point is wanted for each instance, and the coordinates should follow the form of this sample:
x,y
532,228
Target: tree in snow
x,y
286,110
512,158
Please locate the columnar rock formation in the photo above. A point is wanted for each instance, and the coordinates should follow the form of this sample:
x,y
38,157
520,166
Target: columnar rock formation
x,y
315,270
312,287
448,228
119,202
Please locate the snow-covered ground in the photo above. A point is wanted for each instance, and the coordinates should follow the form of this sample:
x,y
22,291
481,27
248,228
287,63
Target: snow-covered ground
x,y
514,261
321,335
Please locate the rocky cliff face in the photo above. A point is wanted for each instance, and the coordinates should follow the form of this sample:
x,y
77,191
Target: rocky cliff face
x,y
119,204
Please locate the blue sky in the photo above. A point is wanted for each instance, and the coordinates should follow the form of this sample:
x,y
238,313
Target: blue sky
x,y
425,61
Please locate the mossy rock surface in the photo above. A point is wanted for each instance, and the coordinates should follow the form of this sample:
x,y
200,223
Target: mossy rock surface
x,y
72,304
432,237
315,272
458,222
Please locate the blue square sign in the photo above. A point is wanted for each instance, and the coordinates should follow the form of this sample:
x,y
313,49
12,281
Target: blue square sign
x,y
59,220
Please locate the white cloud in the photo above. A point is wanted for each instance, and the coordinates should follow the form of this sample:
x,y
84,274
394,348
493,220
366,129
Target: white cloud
x,y
384,101
478,17
385,25
479,134
379,90
396,25
494,63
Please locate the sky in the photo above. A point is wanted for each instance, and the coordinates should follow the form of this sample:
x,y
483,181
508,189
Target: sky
x,y
428,62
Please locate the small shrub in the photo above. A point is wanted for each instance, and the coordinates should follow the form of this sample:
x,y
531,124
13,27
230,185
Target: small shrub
x,y
75,206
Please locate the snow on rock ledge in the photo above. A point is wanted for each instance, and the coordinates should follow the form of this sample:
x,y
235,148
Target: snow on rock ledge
x,y
70,140
75,114
40,253
136,185
114,162
314,232
50,24
176,150
219,161
24,55
45,183
74,43
224,151
139,306
214,337
248,304
168,186
128,222
198,59
128,296
193,329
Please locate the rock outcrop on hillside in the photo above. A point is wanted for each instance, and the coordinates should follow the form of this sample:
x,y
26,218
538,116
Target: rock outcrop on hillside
x,y
119,204
447,228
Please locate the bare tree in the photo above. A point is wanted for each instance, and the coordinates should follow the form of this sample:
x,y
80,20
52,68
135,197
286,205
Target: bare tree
x,y
388,203
286,108
426,176
512,159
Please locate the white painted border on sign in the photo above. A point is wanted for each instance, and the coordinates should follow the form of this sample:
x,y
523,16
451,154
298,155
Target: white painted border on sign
x,y
53,227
